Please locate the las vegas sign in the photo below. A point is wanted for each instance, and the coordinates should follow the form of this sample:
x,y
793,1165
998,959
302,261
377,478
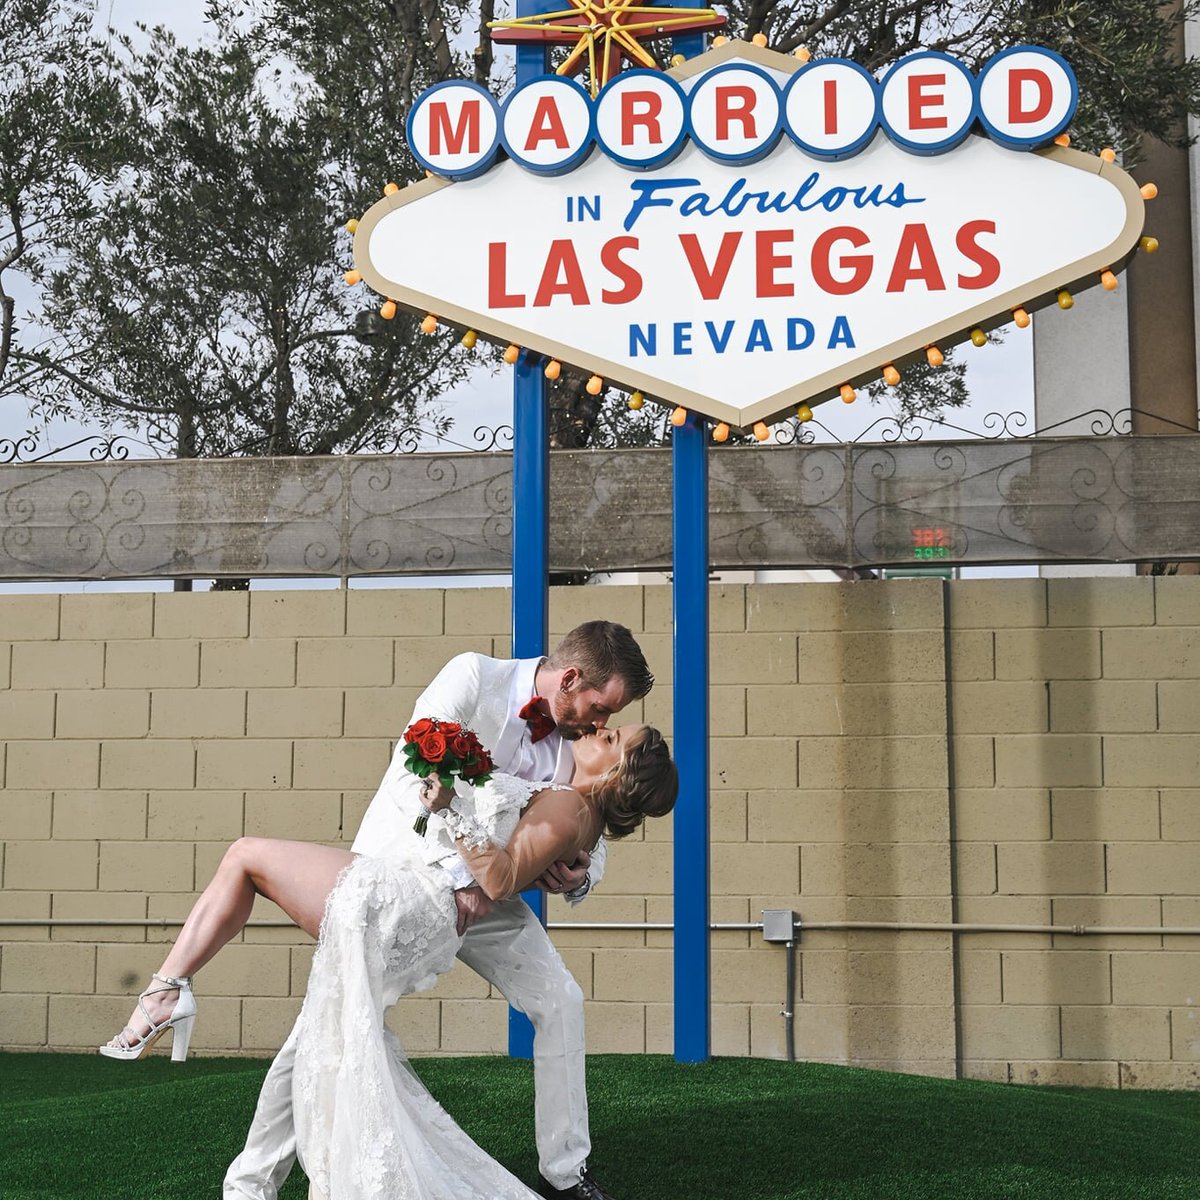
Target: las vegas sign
x,y
745,233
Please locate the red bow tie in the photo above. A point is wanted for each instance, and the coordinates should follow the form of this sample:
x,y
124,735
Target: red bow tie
x,y
540,725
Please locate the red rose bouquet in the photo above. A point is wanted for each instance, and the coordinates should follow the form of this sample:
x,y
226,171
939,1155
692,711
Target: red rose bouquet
x,y
444,749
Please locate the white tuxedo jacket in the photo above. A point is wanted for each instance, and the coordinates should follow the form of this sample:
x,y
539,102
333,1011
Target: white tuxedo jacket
x,y
476,691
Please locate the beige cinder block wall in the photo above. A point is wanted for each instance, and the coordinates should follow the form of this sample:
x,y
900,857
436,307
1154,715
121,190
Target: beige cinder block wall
x,y
1002,751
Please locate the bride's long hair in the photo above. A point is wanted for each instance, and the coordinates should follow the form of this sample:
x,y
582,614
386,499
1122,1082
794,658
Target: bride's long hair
x,y
643,784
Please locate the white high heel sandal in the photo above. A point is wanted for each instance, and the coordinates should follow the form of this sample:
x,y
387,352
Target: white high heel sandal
x,y
132,1046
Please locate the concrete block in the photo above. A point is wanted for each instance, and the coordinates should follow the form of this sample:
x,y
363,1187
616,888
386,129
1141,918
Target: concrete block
x,y
298,816
727,609
1039,654
598,907
751,763
1105,910
146,866
1010,1031
340,763
378,712
1180,810
822,870
999,707
858,709
1166,760
1056,760
858,604
249,970
1185,1034
971,655
238,663
43,967
1002,814
344,662
303,712
248,763
869,762
107,713
633,976
475,613
474,1027
998,603
878,977
1065,1074
1159,653
752,658
572,606
298,614
1111,1032
737,870
100,815
165,664
419,659
1156,978
1154,868
49,666
200,712
23,1021
417,1022
25,905
726,706
92,906
902,869
979,977
187,816
196,615
615,1027
34,866
795,816
25,816
973,760
145,765
53,764
1160,1076
394,612
975,868
5,664
1056,977
107,616
31,617
638,869
916,656
1100,706
729,1030
1051,868
1085,814
267,1021
1176,600
27,715
1179,705
1100,603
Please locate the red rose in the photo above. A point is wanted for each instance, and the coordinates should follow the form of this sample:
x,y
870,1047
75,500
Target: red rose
x,y
432,746
461,745
418,729
450,728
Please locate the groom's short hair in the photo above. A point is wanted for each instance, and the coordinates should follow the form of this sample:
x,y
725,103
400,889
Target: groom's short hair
x,y
601,650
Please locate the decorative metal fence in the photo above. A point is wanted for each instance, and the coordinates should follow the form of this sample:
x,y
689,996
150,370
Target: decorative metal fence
x,y
1103,499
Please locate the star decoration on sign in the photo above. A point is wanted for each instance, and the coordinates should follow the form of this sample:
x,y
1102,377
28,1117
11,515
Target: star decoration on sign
x,y
604,34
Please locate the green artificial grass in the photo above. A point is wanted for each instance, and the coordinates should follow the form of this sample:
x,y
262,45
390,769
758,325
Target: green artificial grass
x,y
731,1129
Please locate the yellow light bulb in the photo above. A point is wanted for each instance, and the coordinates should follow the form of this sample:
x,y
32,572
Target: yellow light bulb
x,y
803,412
469,339
1065,300
978,337
677,60
636,401
1149,244
352,225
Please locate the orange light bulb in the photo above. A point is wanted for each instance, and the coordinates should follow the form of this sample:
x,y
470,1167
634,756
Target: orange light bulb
x,y
890,375
512,353
387,310
934,357
553,369
679,416
847,394
720,432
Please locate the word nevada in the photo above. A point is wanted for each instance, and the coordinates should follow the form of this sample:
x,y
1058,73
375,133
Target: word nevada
x,y
926,103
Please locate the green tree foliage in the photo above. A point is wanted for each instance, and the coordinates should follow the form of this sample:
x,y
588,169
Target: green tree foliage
x,y
202,297
59,134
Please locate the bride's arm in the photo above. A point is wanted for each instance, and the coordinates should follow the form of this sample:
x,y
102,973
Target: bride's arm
x,y
555,826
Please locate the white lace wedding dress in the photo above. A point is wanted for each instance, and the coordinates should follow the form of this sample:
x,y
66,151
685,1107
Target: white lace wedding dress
x,y
366,1127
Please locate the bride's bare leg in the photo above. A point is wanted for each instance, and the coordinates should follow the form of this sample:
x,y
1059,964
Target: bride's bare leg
x,y
295,875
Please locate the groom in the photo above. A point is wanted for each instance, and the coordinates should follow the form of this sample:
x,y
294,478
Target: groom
x,y
526,711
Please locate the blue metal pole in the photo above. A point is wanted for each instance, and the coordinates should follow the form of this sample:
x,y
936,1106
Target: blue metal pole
x,y
690,601
531,513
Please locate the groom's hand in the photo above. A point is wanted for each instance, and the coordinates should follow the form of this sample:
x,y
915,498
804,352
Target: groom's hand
x,y
473,905
565,877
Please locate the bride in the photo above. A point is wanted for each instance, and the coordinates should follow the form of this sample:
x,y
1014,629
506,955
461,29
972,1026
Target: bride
x,y
366,1127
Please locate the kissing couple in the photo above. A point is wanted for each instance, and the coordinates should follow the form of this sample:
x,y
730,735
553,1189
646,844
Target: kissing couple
x,y
392,914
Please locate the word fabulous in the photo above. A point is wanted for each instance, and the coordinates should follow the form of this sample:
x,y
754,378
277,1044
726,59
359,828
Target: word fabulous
x,y
927,103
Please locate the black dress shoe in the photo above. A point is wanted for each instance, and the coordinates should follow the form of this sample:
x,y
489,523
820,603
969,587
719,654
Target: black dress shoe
x,y
586,1189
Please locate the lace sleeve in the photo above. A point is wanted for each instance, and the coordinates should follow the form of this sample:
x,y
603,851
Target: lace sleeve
x,y
487,815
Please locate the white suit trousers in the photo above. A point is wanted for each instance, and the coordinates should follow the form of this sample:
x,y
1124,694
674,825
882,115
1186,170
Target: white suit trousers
x,y
512,951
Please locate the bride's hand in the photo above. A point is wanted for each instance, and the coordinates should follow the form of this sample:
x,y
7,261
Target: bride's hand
x,y
435,795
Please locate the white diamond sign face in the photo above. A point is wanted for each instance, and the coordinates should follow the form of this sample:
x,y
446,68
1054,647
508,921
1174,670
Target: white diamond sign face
x,y
740,289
